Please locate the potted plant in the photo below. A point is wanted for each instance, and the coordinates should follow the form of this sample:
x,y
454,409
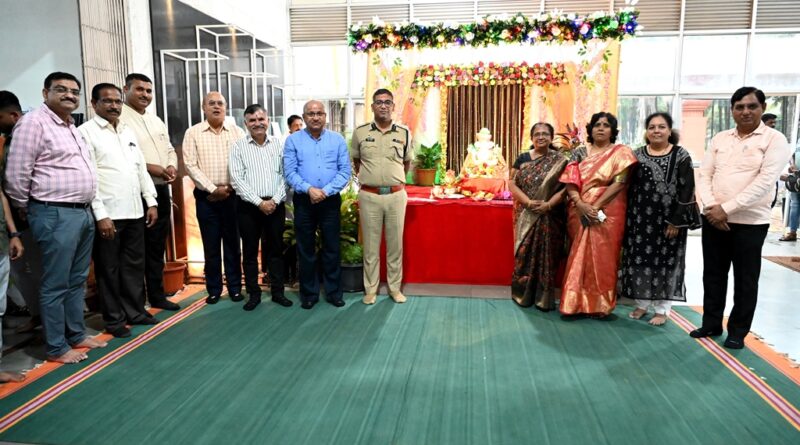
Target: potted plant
x,y
351,250
428,159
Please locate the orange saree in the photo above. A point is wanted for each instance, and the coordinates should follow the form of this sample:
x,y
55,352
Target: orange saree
x,y
590,280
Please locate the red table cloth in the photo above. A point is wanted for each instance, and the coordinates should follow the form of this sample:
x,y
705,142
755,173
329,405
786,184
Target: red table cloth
x,y
456,241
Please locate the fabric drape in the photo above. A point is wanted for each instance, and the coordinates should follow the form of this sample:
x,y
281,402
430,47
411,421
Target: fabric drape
x,y
496,107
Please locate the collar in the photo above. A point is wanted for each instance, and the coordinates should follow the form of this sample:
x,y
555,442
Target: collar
x,y
102,123
251,140
56,118
375,127
207,127
761,129
311,136
129,109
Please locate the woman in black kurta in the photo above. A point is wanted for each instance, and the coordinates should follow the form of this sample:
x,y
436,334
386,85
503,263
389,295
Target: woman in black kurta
x,y
661,209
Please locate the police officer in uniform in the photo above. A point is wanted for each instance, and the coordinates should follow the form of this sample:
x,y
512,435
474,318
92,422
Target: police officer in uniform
x,y
381,152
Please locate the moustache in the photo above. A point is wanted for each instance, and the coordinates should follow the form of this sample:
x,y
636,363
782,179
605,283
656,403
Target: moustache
x,y
66,99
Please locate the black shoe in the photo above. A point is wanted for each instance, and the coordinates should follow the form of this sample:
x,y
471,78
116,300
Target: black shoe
x,y
308,304
212,299
705,332
148,320
337,303
166,305
734,343
237,297
282,300
119,332
251,304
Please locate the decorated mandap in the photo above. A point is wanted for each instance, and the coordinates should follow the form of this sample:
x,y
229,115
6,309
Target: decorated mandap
x,y
475,90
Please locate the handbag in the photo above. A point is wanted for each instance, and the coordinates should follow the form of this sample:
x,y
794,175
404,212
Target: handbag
x,y
793,183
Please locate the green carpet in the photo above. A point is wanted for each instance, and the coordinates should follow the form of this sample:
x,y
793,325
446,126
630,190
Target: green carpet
x,y
432,371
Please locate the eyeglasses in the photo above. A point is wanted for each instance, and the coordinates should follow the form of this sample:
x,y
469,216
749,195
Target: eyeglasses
x,y
382,103
64,90
111,101
317,114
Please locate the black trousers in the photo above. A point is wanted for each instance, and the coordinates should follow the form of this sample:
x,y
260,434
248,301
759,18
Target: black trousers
x,y
307,219
255,227
119,268
219,229
155,239
741,246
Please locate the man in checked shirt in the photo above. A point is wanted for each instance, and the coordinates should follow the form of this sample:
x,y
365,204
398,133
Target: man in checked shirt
x,y
51,179
206,147
256,169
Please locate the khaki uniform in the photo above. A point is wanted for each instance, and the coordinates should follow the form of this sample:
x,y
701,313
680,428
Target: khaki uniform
x,y
382,156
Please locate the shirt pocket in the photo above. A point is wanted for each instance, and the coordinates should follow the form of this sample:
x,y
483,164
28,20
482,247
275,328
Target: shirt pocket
x,y
750,158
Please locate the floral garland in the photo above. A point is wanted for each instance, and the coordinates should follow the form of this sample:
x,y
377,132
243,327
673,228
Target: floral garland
x,y
555,27
520,73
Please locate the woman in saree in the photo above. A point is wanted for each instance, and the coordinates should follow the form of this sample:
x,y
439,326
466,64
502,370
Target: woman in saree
x,y
539,223
596,186
661,207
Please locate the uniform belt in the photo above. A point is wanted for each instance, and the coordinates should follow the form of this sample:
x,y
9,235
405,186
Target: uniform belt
x,y
383,190
69,205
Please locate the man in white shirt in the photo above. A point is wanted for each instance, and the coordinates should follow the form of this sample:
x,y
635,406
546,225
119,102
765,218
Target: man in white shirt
x,y
122,182
162,163
256,169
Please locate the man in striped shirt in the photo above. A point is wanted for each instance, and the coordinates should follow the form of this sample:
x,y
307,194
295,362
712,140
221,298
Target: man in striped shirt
x,y
256,169
51,179
206,148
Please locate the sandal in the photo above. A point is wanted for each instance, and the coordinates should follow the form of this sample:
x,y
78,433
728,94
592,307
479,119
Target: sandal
x,y
658,320
637,313
789,237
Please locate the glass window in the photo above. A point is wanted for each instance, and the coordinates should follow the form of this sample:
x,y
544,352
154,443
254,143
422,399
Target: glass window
x,y
647,64
772,67
358,74
633,110
320,71
713,64
704,118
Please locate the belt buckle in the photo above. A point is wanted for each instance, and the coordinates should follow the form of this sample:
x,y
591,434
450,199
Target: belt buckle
x,y
384,190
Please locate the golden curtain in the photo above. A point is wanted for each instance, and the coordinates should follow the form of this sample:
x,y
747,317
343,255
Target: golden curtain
x,y
498,108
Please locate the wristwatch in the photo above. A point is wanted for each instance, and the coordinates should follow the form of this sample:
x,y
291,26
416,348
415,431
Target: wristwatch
x,y
14,234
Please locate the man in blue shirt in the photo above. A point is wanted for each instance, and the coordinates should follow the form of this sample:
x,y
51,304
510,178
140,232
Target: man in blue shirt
x,y
317,166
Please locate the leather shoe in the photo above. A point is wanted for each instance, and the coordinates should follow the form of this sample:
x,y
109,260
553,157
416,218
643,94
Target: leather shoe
x,y
119,332
165,305
705,332
307,304
148,320
369,298
337,303
282,300
251,304
734,343
212,299
237,297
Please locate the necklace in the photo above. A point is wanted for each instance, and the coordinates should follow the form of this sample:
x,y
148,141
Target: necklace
x,y
593,149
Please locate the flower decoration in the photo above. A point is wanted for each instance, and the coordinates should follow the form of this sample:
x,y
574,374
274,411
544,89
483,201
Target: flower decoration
x,y
517,73
555,27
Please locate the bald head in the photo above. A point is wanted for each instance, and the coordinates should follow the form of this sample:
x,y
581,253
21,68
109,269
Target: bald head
x,y
314,116
214,106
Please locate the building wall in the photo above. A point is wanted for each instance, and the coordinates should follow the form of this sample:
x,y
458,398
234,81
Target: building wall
x,y
40,37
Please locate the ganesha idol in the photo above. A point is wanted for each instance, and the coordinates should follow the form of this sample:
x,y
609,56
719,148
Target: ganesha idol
x,y
485,169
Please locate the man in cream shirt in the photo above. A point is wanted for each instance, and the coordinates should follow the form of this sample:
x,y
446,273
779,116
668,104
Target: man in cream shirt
x,y
162,163
122,183
737,178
